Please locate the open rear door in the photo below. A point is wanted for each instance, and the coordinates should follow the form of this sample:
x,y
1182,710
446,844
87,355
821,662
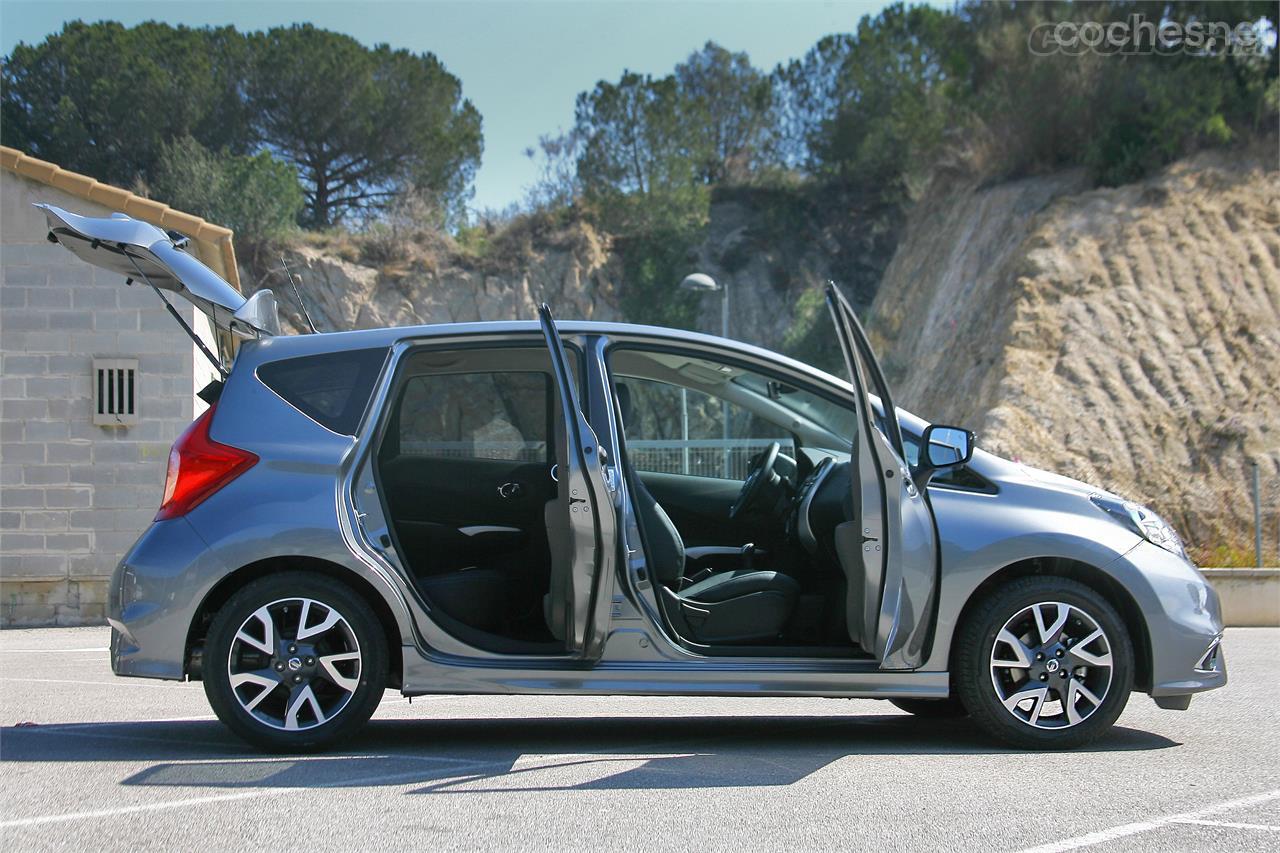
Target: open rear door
x,y
890,542
143,254
581,521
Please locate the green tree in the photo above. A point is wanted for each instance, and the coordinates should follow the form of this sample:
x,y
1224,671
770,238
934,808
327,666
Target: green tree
x,y
639,177
651,149
660,140
257,196
557,184
103,99
1121,114
361,125
889,98
723,104
876,111
806,93
633,144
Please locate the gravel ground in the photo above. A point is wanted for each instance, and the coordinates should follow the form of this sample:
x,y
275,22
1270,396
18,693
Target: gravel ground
x,y
90,761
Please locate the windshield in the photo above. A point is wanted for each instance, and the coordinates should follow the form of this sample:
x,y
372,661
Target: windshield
x,y
834,418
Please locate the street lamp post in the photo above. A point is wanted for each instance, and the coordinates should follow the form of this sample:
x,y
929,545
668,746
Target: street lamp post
x,y
702,283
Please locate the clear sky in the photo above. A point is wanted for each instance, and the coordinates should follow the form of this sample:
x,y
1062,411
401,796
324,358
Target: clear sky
x,y
521,63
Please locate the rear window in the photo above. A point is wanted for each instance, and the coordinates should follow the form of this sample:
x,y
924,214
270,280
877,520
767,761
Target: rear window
x,y
332,389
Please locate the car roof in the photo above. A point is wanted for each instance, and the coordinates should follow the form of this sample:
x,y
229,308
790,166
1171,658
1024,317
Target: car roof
x,y
290,346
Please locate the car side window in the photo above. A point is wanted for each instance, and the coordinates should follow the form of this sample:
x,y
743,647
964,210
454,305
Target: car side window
x,y
675,430
332,389
477,416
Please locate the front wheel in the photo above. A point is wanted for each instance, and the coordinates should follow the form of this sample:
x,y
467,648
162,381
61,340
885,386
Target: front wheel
x,y
1044,663
295,662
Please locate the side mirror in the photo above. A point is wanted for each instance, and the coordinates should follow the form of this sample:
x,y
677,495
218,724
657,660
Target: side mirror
x,y
946,446
941,447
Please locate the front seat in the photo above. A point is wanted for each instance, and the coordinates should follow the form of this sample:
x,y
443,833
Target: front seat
x,y
736,606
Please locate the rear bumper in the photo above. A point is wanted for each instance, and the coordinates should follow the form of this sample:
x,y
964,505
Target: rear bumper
x,y
151,601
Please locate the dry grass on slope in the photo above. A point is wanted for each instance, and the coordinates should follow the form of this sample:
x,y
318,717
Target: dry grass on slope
x,y
423,276
1128,337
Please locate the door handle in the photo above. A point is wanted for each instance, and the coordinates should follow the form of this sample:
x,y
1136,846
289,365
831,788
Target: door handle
x,y
510,490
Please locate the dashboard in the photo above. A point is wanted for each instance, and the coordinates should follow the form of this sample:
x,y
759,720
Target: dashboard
x,y
824,498
819,503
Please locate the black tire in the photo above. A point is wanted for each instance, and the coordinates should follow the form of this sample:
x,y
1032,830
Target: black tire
x,y
972,662
354,706
932,709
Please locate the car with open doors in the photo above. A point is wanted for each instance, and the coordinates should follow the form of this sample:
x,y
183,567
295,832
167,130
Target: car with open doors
x,y
598,508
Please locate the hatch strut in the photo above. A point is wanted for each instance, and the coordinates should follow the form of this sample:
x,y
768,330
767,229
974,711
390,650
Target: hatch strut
x,y
186,327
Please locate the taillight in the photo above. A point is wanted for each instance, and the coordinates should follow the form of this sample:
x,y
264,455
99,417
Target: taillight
x,y
198,467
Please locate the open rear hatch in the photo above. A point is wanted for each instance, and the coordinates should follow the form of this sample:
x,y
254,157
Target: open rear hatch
x,y
141,252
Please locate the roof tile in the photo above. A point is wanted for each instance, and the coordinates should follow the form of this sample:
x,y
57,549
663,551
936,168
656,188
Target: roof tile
x,y
216,246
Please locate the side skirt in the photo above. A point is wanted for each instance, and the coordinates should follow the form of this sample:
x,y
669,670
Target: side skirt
x,y
705,677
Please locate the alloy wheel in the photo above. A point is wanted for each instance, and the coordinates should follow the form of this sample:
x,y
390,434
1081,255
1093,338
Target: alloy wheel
x,y
294,664
1051,665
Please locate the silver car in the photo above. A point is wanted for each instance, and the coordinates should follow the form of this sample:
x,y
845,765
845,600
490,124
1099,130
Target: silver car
x,y
593,508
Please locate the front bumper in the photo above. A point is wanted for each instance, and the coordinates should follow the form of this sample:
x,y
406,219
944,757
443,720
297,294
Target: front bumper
x,y
152,601
1184,623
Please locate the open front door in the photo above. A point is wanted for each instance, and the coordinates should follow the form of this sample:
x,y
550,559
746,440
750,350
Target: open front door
x,y
890,541
581,521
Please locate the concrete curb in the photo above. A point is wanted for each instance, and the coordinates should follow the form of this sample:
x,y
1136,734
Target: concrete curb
x,y
1250,597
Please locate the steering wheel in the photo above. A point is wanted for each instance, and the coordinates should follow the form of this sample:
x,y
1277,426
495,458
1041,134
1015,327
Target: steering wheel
x,y
755,490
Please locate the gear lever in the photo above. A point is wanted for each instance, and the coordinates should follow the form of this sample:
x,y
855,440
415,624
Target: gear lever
x,y
748,556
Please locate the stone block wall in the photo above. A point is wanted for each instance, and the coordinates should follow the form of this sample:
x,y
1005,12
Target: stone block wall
x,y
75,496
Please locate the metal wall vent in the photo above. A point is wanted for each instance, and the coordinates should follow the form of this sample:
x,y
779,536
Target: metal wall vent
x,y
115,391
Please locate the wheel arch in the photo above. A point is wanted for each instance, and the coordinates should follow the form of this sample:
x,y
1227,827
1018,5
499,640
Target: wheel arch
x,y
234,581
1089,575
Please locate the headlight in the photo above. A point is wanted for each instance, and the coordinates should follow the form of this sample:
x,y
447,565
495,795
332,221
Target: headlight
x,y
1143,522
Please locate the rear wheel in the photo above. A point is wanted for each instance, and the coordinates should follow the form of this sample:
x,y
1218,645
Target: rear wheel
x,y
1044,663
295,662
936,709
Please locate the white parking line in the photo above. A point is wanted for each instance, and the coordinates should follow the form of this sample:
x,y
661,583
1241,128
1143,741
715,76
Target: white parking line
x,y
168,685
94,723
102,649
145,807
1104,835
1228,824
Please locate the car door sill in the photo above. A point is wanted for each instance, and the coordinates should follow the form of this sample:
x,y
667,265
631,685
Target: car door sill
x,y
695,677
693,662
781,652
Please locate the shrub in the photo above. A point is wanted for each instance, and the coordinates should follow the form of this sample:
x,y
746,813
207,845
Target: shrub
x,y
257,196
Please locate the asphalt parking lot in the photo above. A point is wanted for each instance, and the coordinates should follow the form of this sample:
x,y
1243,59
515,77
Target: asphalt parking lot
x,y
90,761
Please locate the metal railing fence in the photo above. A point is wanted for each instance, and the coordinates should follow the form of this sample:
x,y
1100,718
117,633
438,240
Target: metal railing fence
x,y
722,458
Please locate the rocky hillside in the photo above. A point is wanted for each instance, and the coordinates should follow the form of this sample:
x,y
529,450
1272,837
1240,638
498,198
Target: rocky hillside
x,y
776,250
429,279
775,271
1128,337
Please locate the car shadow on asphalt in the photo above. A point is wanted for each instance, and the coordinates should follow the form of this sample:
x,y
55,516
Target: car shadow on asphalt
x,y
471,755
